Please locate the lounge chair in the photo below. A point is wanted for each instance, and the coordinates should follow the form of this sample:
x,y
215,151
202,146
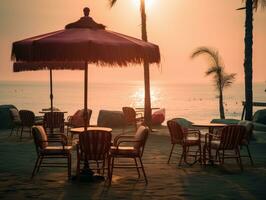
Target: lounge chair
x,y
186,138
134,151
47,152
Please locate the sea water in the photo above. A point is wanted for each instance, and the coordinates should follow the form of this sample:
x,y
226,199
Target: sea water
x,y
195,102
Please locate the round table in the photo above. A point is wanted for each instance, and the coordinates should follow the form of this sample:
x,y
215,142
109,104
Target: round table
x,y
211,127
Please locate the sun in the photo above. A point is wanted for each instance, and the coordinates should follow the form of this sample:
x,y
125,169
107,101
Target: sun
x,y
148,3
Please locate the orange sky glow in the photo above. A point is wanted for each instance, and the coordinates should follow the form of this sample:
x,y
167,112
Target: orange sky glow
x,y
177,26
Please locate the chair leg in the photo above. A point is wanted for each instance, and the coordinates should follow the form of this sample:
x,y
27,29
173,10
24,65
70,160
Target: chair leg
x,y
38,168
78,167
111,171
11,131
35,167
69,165
182,156
200,158
136,163
249,155
21,132
171,153
143,170
239,159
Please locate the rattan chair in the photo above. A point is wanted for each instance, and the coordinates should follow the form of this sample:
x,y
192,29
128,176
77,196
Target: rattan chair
x,y
47,152
132,118
16,121
227,144
27,118
77,120
247,137
186,138
54,121
134,151
93,148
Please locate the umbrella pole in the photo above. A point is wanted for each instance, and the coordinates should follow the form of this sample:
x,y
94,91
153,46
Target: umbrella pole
x,y
85,117
51,99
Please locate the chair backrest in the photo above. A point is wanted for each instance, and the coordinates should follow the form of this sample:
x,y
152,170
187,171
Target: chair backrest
x,y
231,136
14,115
141,136
129,115
176,132
95,144
27,117
249,129
77,120
40,138
53,120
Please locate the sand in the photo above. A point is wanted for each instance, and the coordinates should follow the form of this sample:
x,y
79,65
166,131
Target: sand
x,y
166,181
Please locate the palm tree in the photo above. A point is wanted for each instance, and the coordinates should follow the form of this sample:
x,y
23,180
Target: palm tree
x,y
221,79
250,5
147,102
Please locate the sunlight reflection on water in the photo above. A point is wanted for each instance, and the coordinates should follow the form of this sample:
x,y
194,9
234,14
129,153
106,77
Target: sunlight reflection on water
x,y
196,102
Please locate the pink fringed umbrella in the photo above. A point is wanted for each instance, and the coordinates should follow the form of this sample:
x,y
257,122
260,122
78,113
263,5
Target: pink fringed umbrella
x,y
80,43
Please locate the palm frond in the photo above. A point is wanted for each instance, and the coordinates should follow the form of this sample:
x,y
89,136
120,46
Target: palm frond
x,y
112,2
213,54
213,70
228,79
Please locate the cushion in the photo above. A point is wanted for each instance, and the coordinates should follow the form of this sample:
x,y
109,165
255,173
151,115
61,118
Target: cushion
x,y
40,136
14,114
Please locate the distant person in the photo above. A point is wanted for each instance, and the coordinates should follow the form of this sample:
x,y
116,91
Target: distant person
x,y
85,22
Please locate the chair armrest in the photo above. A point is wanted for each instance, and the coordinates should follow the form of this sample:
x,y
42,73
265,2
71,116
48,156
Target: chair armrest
x,y
117,138
127,141
210,136
69,118
195,132
139,115
61,138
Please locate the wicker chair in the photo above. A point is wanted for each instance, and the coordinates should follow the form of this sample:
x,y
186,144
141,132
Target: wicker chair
x,y
16,121
132,118
135,151
77,120
27,118
247,137
48,152
227,144
54,120
186,138
93,148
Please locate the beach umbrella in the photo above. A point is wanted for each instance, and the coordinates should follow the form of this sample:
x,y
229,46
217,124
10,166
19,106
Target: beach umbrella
x,y
79,44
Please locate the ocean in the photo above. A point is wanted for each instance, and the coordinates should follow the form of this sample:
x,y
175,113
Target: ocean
x,y
195,102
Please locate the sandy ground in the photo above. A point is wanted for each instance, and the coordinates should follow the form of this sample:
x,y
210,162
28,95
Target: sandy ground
x,y
166,181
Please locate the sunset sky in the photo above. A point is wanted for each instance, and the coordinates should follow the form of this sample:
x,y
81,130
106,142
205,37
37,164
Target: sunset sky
x,y
177,26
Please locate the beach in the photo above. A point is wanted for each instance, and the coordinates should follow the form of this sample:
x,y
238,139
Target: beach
x,y
166,181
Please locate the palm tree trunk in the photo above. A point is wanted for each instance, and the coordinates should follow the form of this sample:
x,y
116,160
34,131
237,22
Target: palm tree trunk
x,y
221,104
248,59
147,104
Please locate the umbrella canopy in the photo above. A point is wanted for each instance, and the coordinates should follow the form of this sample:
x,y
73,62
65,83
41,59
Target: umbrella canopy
x,y
80,43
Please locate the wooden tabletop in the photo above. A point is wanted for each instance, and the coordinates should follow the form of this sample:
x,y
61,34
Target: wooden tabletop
x,y
208,125
42,112
81,129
